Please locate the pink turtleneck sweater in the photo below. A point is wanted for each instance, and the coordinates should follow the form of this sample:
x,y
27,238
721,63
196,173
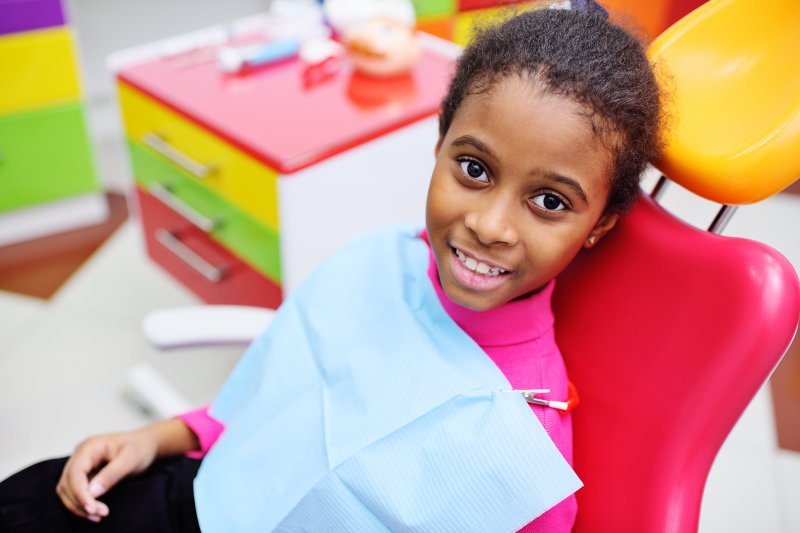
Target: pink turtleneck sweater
x,y
519,338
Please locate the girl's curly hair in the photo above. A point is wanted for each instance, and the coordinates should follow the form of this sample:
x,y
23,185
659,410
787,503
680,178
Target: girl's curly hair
x,y
582,56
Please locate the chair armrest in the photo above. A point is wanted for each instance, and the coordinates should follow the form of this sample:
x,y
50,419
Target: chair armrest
x,y
205,325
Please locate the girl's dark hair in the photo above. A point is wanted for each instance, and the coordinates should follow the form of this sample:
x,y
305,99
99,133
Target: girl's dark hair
x,y
581,56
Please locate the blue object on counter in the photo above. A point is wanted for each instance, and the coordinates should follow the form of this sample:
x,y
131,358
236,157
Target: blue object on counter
x,y
236,58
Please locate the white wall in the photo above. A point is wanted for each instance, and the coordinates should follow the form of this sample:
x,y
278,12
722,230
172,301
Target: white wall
x,y
105,26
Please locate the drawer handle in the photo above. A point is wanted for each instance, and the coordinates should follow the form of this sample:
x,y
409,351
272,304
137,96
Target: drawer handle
x,y
171,242
197,169
182,208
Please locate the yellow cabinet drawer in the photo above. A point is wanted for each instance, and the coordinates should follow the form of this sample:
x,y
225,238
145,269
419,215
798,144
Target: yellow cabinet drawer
x,y
215,164
38,70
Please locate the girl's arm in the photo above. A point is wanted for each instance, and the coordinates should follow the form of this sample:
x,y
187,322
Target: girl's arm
x,y
119,455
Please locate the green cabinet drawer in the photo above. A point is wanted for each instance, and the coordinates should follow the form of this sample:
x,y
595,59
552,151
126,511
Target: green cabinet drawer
x,y
44,156
247,238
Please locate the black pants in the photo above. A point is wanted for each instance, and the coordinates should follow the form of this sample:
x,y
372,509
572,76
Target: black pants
x,y
158,500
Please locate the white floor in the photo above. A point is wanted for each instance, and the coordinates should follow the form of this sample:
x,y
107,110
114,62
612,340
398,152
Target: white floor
x,y
63,364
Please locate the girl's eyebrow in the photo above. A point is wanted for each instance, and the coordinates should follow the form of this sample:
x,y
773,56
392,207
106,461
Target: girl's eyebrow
x,y
469,140
569,182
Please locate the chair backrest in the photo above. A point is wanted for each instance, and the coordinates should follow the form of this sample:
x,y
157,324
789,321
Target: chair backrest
x,y
733,70
668,331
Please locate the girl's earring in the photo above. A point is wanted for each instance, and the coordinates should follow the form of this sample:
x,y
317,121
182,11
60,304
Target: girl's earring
x,y
591,240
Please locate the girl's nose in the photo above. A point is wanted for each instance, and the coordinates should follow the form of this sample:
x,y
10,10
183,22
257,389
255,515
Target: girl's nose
x,y
492,226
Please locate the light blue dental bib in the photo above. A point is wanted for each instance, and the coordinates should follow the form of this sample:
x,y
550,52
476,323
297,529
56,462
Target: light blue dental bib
x,y
364,407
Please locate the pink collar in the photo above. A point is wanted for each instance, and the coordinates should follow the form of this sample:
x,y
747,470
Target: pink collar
x,y
512,323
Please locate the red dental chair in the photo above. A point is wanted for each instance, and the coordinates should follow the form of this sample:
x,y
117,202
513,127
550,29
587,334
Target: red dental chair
x,y
668,331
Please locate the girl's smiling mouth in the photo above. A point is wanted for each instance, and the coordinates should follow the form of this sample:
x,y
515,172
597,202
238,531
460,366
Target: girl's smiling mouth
x,y
476,274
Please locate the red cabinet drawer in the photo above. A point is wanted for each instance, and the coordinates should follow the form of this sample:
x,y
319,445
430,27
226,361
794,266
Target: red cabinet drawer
x,y
199,262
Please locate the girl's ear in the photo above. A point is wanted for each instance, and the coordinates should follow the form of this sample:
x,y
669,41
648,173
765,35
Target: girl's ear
x,y
602,227
438,147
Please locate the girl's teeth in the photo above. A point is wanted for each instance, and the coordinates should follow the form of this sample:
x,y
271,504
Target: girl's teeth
x,y
475,266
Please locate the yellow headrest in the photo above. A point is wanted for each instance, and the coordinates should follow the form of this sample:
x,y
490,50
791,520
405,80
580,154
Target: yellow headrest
x,y
735,105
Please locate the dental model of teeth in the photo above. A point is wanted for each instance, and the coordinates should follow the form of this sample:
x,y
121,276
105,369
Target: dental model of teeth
x,y
477,266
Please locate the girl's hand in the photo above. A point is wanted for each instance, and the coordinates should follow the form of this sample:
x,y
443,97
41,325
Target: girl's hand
x,y
122,454
117,456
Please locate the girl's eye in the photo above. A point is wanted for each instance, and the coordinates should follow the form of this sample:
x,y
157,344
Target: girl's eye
x,y
549,202
474,170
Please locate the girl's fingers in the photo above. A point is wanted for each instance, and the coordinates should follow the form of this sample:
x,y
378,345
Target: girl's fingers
x,y
78,492
69,501
119,467
73,487
102,509
76,476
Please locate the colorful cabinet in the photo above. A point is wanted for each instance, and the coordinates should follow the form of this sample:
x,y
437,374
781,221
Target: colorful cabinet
x,y
436,17
455,19
246,182
478,13
47,177
650,18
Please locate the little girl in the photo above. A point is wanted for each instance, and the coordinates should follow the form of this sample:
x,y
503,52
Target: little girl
x,y
548,123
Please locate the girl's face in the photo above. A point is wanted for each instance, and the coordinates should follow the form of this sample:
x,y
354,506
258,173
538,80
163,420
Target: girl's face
x,y
519,186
